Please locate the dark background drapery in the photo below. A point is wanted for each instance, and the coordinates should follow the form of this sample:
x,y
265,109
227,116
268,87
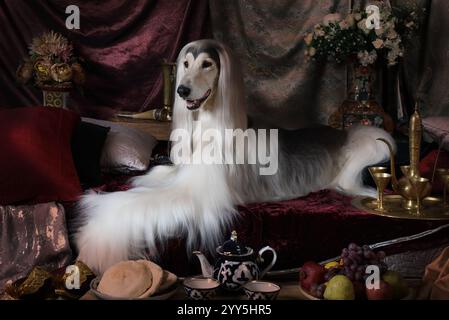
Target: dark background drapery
x,y
285,90
123,43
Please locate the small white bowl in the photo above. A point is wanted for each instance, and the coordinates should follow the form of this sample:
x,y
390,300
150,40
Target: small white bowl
x,y
261,290
200,288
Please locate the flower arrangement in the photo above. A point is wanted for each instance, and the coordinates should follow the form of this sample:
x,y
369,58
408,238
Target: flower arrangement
x,y
338,39
51,63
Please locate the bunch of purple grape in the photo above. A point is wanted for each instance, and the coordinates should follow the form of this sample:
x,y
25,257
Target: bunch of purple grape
x,y
356,259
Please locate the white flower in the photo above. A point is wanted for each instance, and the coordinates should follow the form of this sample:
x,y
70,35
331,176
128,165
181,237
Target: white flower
x,y
366,58
410,24
344,25
357,16
320,32
392,57
331,18
387,26
308,39
378,43
312,51
392,34
379,32
350,20
393,44
362,26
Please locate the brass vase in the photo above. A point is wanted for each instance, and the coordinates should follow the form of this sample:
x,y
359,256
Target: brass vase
x,y
406,186
360,106
169,78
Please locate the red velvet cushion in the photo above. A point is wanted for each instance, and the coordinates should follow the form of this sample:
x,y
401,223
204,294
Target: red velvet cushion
x,y
36,162
427,164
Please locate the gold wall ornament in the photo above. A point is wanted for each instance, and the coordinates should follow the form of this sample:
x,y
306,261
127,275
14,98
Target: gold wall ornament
x,y
413,191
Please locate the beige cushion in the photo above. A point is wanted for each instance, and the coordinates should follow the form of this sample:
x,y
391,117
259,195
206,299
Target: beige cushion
x,y
126,149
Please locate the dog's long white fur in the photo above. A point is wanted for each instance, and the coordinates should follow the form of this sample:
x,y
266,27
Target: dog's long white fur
x,y
199,201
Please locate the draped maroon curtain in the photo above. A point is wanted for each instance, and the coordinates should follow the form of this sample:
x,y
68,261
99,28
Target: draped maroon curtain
x,y
123,43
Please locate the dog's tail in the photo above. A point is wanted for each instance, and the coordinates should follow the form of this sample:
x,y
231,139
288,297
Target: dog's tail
x,y
123,225
361,150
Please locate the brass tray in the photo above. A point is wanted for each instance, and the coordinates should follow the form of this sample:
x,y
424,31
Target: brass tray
x,y
432,208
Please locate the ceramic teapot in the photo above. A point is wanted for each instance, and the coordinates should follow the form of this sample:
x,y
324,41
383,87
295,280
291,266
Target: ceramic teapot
x,y
236,264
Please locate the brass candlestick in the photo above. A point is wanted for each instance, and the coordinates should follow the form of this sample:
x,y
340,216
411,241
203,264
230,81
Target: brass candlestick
x,y
164,113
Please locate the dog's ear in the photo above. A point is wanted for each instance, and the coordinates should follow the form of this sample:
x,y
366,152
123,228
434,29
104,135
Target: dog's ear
x,y
182,118
230,93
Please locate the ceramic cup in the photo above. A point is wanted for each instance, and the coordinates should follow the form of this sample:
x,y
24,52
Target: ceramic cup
x,y
200,288
261,290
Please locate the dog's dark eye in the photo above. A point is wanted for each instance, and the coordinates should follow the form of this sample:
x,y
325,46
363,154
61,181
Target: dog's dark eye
x,y
186,64
206,64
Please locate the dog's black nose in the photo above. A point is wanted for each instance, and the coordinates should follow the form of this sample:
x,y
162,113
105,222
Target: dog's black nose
x,y
183,91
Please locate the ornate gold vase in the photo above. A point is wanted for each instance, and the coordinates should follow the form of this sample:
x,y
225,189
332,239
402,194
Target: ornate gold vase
x,y
56,95
360,106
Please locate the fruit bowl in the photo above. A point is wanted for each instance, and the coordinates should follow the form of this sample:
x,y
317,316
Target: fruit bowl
x,y
345,278
308,296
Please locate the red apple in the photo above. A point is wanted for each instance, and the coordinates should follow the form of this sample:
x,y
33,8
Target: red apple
x,y
311,273
385,292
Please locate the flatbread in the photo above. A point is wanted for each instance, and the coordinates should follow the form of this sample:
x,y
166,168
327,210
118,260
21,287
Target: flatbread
x,y
127,279
157,277
168,280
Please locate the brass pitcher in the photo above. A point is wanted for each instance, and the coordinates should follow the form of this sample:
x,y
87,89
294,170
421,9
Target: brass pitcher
x,y
405,186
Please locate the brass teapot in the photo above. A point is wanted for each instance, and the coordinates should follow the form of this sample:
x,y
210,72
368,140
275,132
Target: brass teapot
x,y
406,185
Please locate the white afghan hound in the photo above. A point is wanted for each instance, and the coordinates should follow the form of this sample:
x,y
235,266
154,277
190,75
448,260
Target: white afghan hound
x,y
199,201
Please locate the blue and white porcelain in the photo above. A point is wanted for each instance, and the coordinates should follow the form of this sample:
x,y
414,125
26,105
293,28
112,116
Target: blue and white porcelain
x,y
234,268
200,288
261,290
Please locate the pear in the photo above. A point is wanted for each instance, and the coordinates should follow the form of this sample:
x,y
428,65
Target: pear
x,y
339,288
397,283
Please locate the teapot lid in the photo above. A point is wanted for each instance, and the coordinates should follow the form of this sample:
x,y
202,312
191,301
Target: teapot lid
x,y
233,246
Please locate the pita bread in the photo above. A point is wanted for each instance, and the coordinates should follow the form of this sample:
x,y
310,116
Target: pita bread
x,y
157,276
128,279
168,280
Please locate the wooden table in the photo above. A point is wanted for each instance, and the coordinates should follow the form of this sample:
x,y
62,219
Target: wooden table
x,y
158,129
289,291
